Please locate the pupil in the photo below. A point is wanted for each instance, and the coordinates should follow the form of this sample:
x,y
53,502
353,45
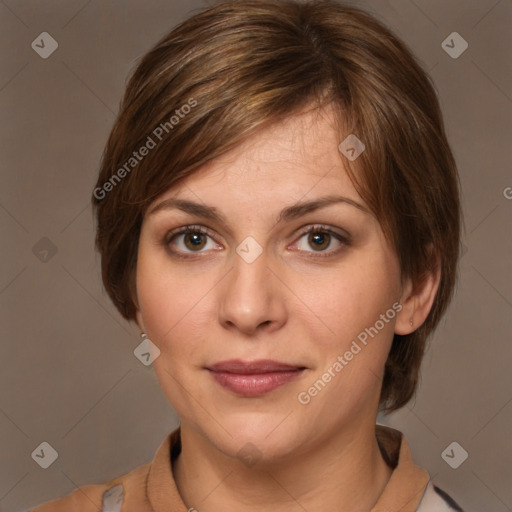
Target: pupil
x,y
320,239
195,239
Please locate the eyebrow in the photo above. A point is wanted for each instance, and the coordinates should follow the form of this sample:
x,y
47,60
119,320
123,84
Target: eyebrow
x,y
289,213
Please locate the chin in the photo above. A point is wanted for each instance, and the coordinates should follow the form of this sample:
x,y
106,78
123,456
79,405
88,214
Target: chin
x,y
255,437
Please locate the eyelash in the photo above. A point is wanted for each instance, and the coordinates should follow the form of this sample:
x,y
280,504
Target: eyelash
x,y
318,228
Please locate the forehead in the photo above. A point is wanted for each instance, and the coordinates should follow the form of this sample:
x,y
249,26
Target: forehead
x,y
282,163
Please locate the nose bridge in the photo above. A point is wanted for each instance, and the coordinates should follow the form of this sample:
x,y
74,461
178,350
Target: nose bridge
x,y
250,296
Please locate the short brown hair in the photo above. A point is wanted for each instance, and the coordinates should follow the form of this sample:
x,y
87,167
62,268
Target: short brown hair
x,y
243,64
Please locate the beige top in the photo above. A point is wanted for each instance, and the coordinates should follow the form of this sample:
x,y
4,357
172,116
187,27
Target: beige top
x,y
151,487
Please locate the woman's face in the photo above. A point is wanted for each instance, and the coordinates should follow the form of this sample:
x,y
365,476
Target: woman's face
x,y
267,334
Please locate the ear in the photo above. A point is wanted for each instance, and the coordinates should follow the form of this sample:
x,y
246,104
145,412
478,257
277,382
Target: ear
x,y
135,299
417,299
140,322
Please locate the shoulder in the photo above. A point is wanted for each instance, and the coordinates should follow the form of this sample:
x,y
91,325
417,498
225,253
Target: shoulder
x,y
106,497
436,500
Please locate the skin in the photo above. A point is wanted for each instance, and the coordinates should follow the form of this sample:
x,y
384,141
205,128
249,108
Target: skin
x,y
291,305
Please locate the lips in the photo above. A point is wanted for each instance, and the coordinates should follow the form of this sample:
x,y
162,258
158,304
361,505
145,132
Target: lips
x,y
253,378
252,367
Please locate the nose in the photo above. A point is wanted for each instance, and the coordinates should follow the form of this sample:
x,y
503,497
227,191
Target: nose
x,y
252,297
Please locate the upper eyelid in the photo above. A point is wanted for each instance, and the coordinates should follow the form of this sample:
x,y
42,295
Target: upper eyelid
x,y
190,227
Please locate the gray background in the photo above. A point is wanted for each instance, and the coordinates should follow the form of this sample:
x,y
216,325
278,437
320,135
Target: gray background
x,y
68,375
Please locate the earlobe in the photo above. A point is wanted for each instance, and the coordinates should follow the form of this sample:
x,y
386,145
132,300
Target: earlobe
x,y
404,323
407,320
417,300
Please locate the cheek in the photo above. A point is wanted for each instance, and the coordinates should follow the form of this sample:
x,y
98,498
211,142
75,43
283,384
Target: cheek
x,y
156,292
357,307
173,303
352,297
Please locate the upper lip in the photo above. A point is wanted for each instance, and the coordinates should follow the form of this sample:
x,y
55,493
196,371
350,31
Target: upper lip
x,y
252,367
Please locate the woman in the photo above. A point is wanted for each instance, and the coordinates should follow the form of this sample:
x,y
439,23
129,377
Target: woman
x,y
278,210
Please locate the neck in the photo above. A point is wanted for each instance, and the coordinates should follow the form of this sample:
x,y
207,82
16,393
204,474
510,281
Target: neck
x,y
346,469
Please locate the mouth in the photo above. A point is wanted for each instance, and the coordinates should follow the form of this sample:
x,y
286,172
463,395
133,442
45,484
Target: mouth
x,y
253,378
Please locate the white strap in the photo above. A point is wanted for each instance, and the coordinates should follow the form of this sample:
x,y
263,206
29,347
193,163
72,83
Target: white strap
x,y
113,499
433,502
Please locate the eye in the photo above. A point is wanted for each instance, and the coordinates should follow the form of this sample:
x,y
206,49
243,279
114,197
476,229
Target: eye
x,y
321,238
193,239
188,239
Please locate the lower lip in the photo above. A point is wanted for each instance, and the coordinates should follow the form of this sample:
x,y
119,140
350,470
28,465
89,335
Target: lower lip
x,y
256,384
